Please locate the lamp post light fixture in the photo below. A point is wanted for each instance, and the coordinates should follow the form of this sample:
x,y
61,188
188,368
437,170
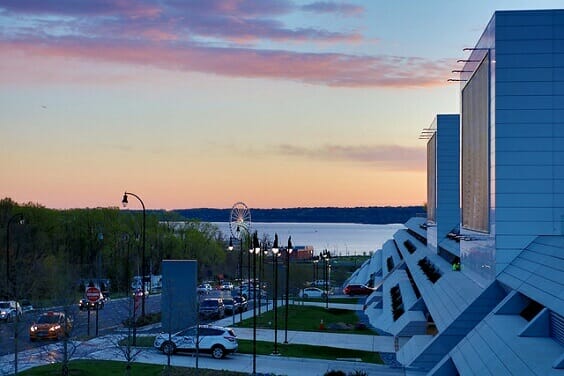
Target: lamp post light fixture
x,y
143,267
275,251
289,250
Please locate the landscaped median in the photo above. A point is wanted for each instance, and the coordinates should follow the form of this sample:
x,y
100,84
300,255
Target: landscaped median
x,y
312,318
115,368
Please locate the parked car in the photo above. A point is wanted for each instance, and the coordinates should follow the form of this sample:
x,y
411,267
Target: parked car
x,y
227,286
212,308
357,290
321,283
249,294
85,304
204,288
26,306
243,304
217,340
231,305
50,325
312,292
9,310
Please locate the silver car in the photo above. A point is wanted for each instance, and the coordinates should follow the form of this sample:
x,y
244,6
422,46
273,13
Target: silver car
x,y
216,340
9,310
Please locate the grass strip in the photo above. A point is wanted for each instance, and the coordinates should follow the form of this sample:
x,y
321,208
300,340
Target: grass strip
x,y
308,351
115,368
290,350
309,318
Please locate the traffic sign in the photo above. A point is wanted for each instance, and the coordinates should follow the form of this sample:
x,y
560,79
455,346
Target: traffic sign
x,y
93,294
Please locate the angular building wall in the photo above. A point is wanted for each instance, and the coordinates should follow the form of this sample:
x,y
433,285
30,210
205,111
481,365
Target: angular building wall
x,y
513,125
443,174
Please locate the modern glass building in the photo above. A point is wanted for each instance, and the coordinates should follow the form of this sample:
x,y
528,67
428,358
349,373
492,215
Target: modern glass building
x,y
477,287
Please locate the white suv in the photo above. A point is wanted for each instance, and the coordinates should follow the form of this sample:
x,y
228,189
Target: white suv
x,y
9,310
217,340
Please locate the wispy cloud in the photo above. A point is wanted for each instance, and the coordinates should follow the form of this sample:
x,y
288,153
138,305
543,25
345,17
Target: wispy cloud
x,y
208,36
331,69
390,157
343,9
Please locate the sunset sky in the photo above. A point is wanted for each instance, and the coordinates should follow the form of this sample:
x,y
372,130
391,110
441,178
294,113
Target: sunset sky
x,y
203,103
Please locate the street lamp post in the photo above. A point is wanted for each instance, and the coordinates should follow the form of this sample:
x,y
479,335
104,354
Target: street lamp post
x,y
12,219
15,291
326,255
255,250
230,249
289,250
314,261
275,259
143,268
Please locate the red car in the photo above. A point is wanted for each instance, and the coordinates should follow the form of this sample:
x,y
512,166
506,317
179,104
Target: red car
x,y
357,290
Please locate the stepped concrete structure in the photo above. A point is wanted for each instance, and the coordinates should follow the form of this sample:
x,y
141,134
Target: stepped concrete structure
x,y
477,286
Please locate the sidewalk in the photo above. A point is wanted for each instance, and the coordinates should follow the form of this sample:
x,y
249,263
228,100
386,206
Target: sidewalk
x,y
339,340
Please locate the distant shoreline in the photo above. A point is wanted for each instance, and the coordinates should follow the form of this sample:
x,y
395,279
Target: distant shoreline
x,y
358,215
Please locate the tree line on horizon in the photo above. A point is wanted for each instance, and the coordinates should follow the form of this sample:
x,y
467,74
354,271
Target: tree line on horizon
x,y
362,215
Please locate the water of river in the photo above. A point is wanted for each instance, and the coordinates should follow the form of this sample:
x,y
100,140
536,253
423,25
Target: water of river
x,y
339,238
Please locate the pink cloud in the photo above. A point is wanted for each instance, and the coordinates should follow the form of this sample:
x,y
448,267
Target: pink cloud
x,y
331,69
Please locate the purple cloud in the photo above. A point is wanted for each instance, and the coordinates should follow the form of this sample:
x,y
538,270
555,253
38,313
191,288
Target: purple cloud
x,y
82,8
333,7
229,20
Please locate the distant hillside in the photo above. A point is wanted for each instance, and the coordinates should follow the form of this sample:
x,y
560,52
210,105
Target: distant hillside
x,y
367,215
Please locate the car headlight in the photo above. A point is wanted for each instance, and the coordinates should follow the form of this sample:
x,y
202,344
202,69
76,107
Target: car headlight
x,y
33,328
54,328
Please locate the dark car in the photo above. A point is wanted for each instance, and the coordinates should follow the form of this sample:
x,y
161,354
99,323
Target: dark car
x,y
357,290
231,305
212,308
85,304
243,304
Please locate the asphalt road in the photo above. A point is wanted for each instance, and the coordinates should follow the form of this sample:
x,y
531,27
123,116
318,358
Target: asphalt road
x,y
109,318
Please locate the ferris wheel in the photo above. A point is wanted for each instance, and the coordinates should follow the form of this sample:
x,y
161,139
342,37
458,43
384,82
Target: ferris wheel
x,y
240,220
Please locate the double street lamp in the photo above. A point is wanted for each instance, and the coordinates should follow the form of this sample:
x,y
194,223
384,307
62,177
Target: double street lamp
x,y
239,268
143,271
254,250
314,262
15,290
275,254
326,256
289,250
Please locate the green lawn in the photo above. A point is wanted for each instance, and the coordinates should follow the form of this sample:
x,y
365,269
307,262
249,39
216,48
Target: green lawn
x,y
354,300
308,318
307,351
113,368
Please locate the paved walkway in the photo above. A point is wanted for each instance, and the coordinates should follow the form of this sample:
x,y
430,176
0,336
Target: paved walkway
x,y
338,340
